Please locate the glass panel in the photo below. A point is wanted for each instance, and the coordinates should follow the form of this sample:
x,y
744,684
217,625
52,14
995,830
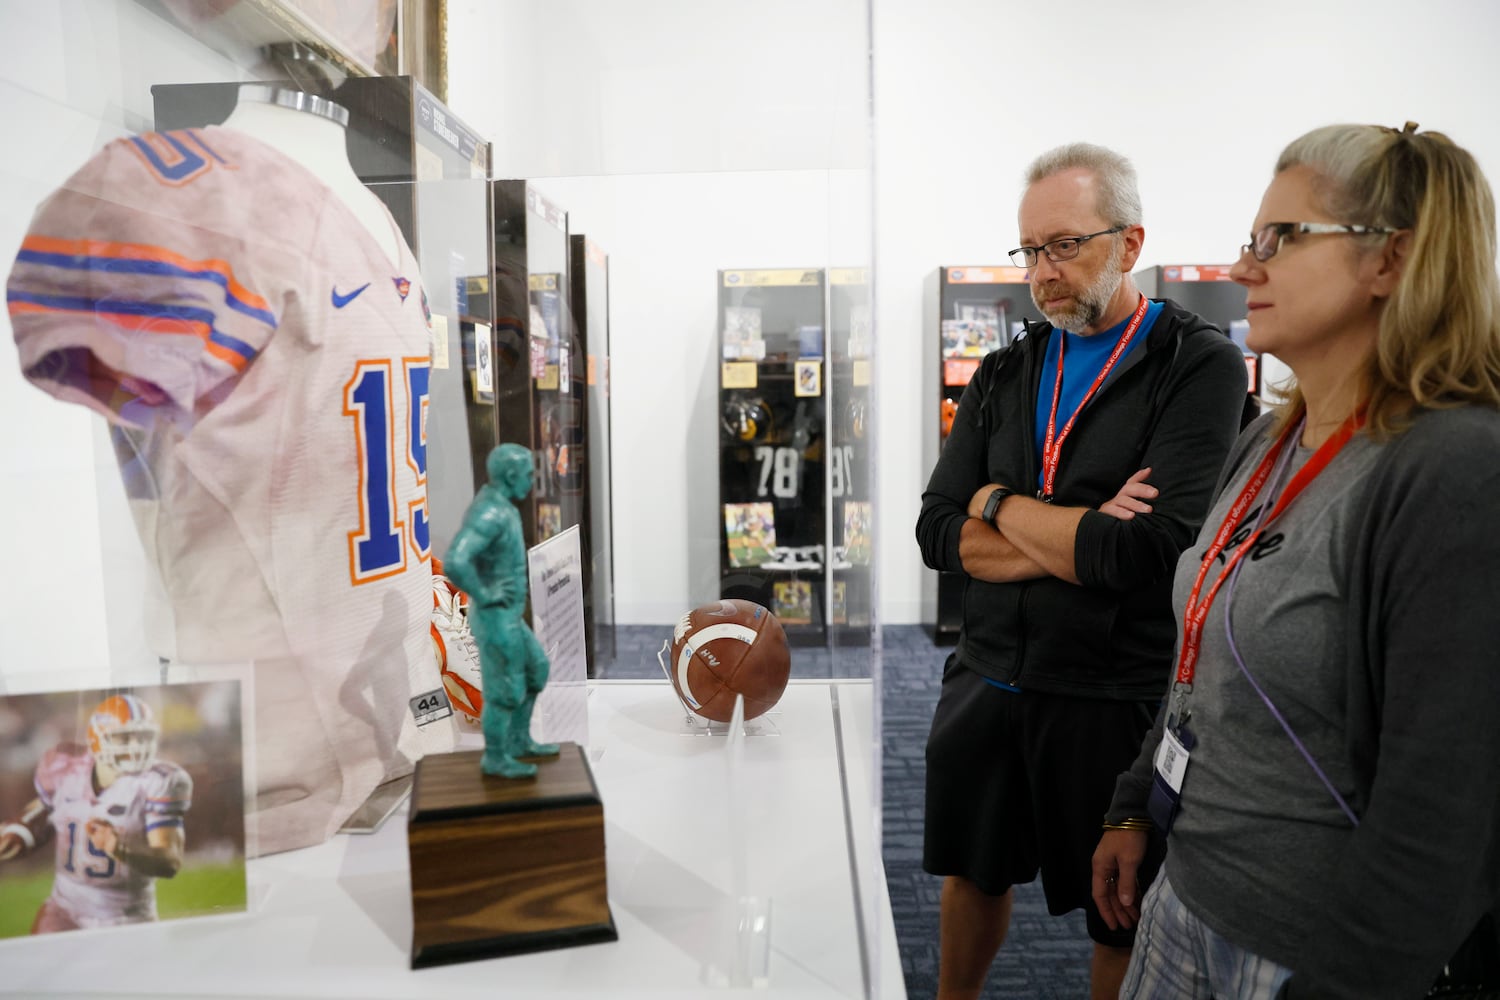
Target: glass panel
x,y
290,392
736,215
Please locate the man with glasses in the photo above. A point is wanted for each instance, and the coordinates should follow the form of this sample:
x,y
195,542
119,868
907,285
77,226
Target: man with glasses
x,y
1080,465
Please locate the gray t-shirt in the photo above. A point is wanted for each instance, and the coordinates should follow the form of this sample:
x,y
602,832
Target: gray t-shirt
x,y
1369,613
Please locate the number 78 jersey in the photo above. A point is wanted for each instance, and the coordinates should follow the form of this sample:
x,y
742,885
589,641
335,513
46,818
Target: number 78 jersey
x,y
265,365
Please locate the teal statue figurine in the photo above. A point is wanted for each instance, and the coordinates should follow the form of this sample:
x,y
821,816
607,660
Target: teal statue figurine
x,y
488,560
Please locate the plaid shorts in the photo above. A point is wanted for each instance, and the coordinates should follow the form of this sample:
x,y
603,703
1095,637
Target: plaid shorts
x,y
1177,957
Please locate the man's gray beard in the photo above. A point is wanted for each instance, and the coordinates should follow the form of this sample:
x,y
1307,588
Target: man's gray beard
x,y
1090,303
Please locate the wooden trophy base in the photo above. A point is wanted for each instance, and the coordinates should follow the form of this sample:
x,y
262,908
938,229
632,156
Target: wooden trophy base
x,y
503,866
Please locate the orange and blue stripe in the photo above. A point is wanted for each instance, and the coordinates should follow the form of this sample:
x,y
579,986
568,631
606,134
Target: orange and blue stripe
x,y
136,710
105,257
169,157
148,317
164,812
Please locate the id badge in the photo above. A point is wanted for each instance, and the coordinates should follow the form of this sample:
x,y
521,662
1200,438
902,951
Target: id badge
x,y
1166,779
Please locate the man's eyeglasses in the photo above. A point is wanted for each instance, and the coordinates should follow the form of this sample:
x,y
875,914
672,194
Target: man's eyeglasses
x,y
1057,251
1266,241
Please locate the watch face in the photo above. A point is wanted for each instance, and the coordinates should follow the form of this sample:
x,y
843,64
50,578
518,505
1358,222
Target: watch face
x,y
992,505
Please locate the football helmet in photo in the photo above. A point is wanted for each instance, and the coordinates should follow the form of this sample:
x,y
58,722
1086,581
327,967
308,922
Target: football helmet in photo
x,y
123,734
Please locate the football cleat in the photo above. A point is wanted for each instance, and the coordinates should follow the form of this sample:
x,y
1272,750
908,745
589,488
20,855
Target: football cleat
x,y
455,648
123,734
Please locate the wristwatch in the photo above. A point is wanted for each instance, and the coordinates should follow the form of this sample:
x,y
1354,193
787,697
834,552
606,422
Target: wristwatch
x,y
992,505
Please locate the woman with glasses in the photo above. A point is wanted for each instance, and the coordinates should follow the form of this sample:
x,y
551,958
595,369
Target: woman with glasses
x,y
1327,764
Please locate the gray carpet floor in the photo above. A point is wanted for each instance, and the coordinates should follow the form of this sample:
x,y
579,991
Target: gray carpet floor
x,y
1045,957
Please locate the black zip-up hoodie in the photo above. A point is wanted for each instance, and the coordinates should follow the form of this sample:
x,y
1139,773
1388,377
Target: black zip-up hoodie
x,y
1174,404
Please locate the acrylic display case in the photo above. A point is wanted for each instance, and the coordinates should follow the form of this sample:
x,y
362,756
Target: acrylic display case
x,y
540,366
589,280
850,455
600,367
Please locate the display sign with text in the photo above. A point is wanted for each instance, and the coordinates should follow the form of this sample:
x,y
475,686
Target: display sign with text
x,y
555,568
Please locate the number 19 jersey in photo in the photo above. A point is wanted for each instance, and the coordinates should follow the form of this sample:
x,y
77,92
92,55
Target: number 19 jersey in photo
x,y
264,364
92,888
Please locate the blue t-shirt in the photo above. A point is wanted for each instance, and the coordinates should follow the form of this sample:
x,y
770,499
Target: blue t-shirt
x,y
1084,360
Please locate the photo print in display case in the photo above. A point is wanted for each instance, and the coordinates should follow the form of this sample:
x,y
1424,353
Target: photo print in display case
x,y
120,806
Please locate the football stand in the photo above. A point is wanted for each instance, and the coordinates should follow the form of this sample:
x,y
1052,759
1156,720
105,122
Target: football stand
x,y
694,724
741,953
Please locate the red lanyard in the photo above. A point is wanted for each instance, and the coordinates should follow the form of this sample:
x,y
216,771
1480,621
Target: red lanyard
x,y
1196,612
1053,442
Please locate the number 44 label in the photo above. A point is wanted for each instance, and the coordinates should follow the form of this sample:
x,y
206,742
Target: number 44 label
x,y
431,707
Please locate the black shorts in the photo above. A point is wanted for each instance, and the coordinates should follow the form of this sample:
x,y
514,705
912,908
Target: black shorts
x,y
1018,782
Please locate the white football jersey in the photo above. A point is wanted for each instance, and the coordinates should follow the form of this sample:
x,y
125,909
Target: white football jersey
x,y
94,888
265,366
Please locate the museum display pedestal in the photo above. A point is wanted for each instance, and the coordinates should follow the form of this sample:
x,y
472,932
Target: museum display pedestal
x,y
505,866
336,920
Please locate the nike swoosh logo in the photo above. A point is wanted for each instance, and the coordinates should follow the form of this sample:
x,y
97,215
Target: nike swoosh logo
x,y
726,609
340,301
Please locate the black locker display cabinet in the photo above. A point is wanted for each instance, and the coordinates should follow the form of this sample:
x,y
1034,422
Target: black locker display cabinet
x,y
970,312
540,368
537,403
1207,290
774,539
589,272
850,432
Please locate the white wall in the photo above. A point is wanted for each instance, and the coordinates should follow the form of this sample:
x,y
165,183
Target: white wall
x,y
734,133
1201,96
589,87
684,137
667,235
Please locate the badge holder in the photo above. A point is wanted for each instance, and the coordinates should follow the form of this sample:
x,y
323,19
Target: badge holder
x,y
1168,768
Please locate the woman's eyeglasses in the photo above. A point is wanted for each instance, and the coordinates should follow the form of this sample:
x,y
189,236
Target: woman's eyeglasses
x,y
1265,242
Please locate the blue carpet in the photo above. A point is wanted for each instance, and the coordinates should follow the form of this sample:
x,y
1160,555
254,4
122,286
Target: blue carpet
x,y
1045,957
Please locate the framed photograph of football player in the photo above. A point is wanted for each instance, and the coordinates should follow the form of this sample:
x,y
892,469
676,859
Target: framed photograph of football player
x,y
121,806
809,378
794,601
750,529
